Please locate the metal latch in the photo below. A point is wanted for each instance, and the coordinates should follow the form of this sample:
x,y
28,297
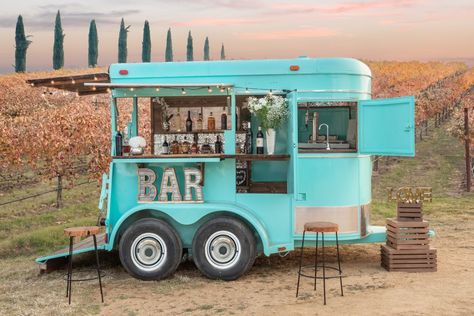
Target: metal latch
x,y
301,197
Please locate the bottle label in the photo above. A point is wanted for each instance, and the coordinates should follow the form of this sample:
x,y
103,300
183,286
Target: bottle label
x,y
165,150
259,142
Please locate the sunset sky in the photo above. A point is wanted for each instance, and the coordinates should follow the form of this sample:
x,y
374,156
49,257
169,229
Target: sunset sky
x,y
373,29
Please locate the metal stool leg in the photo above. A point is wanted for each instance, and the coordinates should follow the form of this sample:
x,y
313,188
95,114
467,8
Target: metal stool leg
x,y
69,272
339,264
324,271
98,267
301,262
316,262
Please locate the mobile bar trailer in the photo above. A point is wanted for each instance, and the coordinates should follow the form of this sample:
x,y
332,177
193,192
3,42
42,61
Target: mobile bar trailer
x,y
224,209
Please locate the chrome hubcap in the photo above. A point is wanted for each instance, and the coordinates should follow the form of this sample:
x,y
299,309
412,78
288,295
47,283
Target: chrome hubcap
x,y
222,249
148,251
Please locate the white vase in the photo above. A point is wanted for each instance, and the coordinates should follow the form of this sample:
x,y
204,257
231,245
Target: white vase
x,y
270,137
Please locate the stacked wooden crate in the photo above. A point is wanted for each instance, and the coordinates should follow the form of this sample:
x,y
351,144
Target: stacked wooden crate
x,y
408,247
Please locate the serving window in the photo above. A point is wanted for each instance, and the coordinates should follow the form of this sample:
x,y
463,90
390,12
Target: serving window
x,y
326,127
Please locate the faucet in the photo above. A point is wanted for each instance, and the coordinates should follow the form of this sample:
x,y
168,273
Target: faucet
x,y
327,135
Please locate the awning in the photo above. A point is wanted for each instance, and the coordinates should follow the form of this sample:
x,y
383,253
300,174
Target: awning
x,y
75,83
109,85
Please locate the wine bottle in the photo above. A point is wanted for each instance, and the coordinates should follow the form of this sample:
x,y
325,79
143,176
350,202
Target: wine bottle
x,y
224,120
218,148
248,149
211,122
199,121
189,123
118,144
195,146
259,141
165,148
178,121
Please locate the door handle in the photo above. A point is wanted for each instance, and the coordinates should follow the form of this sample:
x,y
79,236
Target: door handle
x,y
301,197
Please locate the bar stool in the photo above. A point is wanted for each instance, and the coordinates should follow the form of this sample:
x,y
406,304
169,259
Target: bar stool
x,y
320,227
82,232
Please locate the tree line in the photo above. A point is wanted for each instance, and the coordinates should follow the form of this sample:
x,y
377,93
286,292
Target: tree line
x,y
22,42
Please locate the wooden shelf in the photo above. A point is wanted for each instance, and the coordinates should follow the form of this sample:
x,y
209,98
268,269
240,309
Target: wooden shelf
x,y
244,157
204,131
252,157
171,156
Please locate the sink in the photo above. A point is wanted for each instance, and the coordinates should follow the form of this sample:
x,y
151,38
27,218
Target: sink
x,y
336,145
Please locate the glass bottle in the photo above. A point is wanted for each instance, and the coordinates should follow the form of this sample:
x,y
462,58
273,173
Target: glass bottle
x,y
259,141
248,147
218,146
175,146
185,146
211,122
118,144
199,121
206,148
178,121
224,119
165,148
195,146
189,123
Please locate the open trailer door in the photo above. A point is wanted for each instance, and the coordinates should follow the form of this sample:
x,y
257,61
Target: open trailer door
x,y
387,126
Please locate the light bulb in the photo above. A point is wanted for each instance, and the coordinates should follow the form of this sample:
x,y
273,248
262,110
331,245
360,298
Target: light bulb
x,y
209,89
183,91
157,89
247,90
131,89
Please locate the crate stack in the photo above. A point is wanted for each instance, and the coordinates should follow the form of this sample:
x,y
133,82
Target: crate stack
x,y
408,247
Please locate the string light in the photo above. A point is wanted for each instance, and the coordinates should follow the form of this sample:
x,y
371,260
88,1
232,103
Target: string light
x,y
73,81
157,89
270,92
108,90
247,90
131,89
32,84
94,88
52,81
95,78
222,89
209,89
183,92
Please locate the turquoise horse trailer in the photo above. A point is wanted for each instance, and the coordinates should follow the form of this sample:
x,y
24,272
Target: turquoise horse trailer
x,y
224,209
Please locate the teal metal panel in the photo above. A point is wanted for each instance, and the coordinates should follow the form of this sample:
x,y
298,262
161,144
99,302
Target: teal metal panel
x,y
387,127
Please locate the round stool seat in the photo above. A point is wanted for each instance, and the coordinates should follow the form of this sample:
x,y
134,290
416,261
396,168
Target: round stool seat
x,y
321,227
83,231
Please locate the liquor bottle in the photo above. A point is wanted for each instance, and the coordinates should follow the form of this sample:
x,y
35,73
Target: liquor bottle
x,y
165,148
259,141
218,146
189,123
206,148
199,121
237,127
248,147
118,144
211,122
195,146
178,121
185,146
175,146
224,119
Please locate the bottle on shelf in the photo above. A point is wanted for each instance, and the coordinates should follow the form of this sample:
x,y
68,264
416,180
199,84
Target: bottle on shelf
x,y
218,146
125,145
185,146
165,148
211,122
206,148
178,121
224,119
189,123
248,147
175,146
259,141
118,144
195,146
237,127
199,121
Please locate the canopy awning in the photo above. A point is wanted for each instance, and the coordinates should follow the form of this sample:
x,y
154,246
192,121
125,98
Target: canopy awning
x,y
109,85
75,83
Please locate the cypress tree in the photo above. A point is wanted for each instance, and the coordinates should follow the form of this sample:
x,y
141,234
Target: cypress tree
x,y
58,47
169,47
21,45
189,48
122,42
146,43
93,45
222,52
206,49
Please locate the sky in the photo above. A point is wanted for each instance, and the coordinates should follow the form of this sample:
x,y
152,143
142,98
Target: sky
x,y
249,29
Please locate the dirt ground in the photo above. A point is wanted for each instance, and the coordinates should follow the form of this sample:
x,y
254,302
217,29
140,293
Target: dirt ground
x,y
268,289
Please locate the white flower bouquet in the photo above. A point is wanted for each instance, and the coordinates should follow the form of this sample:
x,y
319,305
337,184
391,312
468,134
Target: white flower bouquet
x,y
270,110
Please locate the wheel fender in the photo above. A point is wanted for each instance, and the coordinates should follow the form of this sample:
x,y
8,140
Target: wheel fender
x,y
188,214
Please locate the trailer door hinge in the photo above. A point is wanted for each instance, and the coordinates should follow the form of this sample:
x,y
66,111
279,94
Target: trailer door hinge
x,y
301,197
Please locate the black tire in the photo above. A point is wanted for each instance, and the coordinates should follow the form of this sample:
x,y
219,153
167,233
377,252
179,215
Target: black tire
x,y
213,250
150,249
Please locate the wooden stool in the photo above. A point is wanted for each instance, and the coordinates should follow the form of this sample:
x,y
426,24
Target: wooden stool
x,y
320,227
82,232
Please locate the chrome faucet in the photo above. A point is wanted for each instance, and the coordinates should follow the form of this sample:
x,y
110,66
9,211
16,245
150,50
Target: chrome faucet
x,y
327,135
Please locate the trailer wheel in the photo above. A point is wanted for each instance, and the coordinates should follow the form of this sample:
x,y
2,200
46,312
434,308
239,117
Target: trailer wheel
x,y
150,249
224,248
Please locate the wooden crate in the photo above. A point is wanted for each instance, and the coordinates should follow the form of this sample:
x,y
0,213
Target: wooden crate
x,y
410,212
407,235
409,260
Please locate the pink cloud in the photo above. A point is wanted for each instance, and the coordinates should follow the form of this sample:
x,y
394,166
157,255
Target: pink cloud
x,y
297,33
220,21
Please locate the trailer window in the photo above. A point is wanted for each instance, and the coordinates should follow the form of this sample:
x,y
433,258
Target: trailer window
x,y
323,125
